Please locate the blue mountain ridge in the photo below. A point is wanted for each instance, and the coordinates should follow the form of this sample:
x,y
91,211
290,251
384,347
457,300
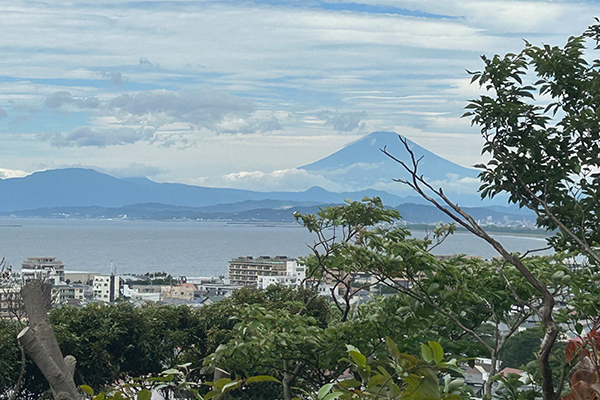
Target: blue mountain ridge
x,y
77,187
355,165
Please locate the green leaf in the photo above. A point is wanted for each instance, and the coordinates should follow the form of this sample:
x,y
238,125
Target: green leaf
x,y
144,394
332,396
212,394
324,391
349,383
261,378
426,353
230,386
357,356
438,352
87,390
222,382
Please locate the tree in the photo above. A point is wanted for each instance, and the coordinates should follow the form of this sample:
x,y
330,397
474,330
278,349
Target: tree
x,y
545,155
545,151
448,300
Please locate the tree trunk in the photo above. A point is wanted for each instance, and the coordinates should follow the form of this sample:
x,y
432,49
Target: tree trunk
x,y
40,343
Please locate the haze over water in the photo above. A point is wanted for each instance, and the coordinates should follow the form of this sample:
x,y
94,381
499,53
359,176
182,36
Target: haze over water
x,y
181,248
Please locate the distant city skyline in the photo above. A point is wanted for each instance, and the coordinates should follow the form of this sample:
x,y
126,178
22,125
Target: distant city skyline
x,y
241,93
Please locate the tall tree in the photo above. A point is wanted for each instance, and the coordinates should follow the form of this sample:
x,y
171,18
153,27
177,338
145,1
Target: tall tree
x,y
545,150
545,153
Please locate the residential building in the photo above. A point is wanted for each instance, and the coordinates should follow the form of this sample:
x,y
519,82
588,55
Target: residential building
x,y
216,289
71,293
247,270
107,288
44,268
294,276
146,293
183,292
11,305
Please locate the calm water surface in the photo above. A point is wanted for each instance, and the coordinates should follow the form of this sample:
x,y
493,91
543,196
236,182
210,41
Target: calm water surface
x,y
190,248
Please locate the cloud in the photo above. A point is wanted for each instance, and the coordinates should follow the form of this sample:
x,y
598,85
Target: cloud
x,y
12,173
291,179
134,170
116,78
147,63
343,121
203,108
458,184
86,137
259,121
59,99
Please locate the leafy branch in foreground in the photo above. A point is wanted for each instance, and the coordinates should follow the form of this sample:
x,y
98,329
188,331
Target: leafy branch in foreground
x,y
173,383
400,376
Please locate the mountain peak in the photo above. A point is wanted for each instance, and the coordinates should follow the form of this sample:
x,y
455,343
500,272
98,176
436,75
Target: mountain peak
x,y
361,164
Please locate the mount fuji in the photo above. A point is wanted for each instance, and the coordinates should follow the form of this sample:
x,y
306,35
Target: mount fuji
x,y
362,164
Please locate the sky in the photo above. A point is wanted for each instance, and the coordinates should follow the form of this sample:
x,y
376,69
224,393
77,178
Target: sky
x,y
242,93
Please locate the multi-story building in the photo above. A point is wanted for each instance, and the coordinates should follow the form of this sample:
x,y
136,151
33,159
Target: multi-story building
x,y
11,305
183,292
44,268
68,293
247,271
107,288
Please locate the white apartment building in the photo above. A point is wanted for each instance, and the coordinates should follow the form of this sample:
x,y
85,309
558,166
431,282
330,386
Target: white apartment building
x,y
107,288
247,271
44,268
294,276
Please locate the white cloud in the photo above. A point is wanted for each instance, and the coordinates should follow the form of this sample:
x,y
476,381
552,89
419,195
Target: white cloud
x,y
292,179
198,107
12,173
63,98
86,137
343,121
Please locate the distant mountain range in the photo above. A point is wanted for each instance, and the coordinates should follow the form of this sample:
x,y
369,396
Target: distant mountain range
x,y
75,187
85,193
263,212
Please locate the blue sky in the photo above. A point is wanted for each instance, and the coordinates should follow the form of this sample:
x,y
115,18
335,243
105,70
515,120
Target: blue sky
x,y
241,93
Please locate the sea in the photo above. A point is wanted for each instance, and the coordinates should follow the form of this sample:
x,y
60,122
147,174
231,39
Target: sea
x,y
185,248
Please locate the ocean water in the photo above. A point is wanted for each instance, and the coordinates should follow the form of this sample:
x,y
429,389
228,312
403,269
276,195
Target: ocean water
x,y
182,248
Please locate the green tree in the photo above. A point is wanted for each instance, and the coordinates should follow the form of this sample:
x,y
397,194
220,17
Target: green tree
x,y
544,155
521,348
545,150
111,342
444,300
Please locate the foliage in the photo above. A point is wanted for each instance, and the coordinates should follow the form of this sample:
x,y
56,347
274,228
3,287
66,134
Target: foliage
x,y
173,382
111,342
10,359
153,278
544,150
513,387
521,348
585,378
399,376
289,346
